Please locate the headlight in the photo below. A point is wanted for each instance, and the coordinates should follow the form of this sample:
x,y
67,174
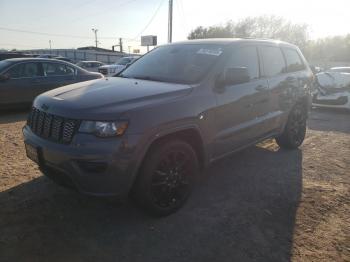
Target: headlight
x,y
103,129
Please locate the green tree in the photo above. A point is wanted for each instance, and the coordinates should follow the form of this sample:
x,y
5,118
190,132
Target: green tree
x,y
273,27
335,48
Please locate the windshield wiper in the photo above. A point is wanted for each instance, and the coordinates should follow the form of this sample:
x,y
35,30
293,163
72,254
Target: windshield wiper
x,y
146,78
121,75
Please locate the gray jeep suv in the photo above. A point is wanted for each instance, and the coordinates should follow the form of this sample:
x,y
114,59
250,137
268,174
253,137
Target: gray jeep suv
x,y
149,131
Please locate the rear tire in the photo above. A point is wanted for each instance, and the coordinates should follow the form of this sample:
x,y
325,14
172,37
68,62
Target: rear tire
x,y
166,178
295,129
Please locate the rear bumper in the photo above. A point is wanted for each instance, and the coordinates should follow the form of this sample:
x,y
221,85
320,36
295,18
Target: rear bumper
x,y
94,166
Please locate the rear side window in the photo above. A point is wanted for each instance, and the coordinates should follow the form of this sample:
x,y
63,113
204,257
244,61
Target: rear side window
x,y
273,60
294,62
57,69
24,70
245,57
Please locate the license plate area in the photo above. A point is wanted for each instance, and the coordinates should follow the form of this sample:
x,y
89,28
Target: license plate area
x,y
33,153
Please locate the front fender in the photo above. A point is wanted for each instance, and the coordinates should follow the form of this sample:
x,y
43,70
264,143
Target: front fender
x,y
147,140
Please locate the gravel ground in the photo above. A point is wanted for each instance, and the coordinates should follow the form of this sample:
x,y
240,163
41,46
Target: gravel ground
x,y
262,204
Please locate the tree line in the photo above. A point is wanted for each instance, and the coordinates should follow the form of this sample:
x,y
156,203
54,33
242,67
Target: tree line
x,y
325,49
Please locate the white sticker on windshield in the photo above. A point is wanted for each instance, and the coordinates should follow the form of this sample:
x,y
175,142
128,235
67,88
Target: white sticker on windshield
x,y
205,51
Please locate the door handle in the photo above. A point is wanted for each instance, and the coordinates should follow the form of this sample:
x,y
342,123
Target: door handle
x,y
260,88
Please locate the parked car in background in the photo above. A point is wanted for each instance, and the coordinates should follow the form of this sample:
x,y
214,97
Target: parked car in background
x,y
342,69
91,66
22,79
110,70
332,89
148,131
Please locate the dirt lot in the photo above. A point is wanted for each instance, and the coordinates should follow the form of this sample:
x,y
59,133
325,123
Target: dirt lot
x,y
262,204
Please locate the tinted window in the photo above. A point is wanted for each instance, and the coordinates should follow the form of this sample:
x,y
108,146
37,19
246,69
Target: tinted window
x,y
273,60
246,57
180,63
24,70
294,62
57,69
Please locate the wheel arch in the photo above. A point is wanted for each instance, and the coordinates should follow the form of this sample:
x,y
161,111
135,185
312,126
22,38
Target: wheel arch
x,y
189,134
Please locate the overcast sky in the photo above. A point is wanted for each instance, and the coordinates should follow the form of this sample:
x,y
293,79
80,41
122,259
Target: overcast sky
x,y
131,18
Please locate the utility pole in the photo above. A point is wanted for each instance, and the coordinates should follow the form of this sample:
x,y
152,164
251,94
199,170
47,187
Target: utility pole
x,y
50,45
121,45
95,32
170,22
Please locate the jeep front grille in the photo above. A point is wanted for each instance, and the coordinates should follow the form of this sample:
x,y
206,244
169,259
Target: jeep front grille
x,y
51,127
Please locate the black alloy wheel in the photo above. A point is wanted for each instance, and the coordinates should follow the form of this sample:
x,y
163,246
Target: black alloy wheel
x,y
295,130
167,177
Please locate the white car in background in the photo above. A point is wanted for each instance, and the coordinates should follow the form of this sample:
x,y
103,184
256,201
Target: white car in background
x,y
332,90
91,66
110,70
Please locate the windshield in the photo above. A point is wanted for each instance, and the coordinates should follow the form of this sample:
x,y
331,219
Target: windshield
x,y
185,64
123,61
4,64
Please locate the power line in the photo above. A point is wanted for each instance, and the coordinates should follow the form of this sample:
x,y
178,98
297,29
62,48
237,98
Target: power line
x,y
42,33
57,35
150,21
11,44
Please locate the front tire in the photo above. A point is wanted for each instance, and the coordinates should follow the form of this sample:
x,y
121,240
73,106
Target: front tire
x,y
295,130
166,178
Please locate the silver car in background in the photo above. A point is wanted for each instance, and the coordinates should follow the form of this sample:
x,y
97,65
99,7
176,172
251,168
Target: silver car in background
x,y
91,66
110,70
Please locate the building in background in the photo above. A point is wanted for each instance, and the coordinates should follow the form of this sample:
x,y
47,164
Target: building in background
x,y
88,53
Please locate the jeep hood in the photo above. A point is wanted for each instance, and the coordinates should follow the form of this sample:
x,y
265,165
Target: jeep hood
x,y
106,99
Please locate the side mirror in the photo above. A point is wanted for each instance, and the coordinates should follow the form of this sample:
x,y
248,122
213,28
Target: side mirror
x,y
236,75
4,78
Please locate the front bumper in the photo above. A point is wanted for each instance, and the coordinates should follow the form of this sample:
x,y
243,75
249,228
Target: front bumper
x,y
337,100
94,166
